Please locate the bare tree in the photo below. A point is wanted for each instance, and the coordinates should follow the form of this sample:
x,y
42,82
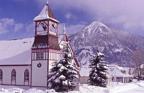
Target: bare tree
x,y
138,59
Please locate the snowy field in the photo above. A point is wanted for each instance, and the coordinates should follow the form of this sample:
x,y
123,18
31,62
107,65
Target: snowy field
x,y
134,87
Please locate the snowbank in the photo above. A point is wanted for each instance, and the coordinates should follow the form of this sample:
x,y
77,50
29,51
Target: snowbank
x,y
92,89
134,87
82,89
128,88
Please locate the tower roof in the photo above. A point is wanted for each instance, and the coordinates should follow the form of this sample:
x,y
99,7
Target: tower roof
x,y
46,13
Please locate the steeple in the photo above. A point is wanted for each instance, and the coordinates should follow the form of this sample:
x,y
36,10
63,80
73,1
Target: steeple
x,y
46,13
47,2
46,29
64,29
65,34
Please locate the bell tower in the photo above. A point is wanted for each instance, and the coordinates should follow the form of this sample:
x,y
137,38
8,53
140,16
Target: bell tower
x,y
45,49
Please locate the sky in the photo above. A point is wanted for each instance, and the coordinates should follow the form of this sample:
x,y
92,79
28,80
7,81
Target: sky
x,y
16,16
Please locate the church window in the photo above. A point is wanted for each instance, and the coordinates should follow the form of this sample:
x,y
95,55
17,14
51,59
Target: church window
x,y
26,75
39,55
1,75
13,75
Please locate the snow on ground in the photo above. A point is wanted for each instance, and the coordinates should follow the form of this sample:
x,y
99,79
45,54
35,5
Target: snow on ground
x,y
134,87
82,89
90,89
21,90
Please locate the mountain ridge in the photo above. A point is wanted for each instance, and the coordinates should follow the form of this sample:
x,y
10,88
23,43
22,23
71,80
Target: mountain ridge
x,y
118,46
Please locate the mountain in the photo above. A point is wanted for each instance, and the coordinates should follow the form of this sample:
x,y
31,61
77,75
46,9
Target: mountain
x,y
118,46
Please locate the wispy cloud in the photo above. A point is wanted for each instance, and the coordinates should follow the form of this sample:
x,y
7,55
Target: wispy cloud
x,y
128,13
71,29
9,26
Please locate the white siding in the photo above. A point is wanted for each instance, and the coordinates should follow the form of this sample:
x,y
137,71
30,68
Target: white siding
x,y
19,74
39,74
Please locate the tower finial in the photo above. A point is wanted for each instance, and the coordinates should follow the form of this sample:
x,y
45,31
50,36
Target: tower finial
x,y
47,2
65,34
64,29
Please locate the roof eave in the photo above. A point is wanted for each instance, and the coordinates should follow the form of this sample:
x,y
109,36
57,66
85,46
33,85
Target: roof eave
x,y
47,18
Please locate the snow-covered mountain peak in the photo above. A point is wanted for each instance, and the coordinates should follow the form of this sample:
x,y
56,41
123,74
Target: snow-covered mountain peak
x,y
118,46
97,23
96,27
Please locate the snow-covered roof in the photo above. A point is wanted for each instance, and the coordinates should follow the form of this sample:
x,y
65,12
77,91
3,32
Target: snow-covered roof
x,y
18,52
46,13
15,52
117,71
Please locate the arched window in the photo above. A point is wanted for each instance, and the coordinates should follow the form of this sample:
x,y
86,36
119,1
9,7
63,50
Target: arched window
x,y
26,75
1,75
13,76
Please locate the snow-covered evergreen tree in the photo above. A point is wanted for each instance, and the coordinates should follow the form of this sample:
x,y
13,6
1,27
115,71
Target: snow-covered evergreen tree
x,y
98,76
64,75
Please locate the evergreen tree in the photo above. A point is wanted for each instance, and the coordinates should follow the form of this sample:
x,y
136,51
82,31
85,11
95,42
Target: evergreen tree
x,y
64,75
98,76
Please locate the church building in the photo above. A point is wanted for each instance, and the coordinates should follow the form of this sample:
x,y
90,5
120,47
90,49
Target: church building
x,y
27,62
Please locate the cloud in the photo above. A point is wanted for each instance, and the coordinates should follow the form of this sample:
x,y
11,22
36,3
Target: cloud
x,y
75,28
105,7
71,29
68,15
7,24
127,13
9,27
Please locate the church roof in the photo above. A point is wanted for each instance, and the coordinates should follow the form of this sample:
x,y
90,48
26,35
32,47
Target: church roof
x,y
16,52
46,13
117,71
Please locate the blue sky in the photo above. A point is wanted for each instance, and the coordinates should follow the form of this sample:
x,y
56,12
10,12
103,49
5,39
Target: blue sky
x,y
16,16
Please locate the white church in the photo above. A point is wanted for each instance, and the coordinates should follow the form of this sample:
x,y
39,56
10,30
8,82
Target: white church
x,y
27,62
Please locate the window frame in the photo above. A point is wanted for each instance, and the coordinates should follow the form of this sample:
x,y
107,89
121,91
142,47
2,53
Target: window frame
x,y
13,76
1,75
26,75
